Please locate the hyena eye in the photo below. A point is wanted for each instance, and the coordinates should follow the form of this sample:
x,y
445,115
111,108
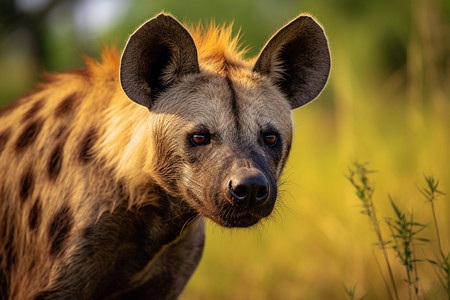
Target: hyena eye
x,y
271,139
199,139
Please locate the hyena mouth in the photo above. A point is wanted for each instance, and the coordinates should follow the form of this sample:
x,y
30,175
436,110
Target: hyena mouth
x,y
231,216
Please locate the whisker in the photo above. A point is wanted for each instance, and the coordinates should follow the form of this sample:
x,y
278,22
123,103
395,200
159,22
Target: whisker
x,y
187,223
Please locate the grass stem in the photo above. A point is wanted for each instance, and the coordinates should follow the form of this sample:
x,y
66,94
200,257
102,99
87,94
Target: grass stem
x,y
358,177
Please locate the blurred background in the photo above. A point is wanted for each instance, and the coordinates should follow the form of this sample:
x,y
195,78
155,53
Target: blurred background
x,y
387,102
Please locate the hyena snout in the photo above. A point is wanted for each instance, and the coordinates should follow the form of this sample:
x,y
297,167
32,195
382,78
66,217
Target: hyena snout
x,y
248,187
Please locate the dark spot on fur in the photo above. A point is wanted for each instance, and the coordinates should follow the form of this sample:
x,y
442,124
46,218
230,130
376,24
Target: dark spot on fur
x,y
9,237
86,145
4,137
4,226
65,106
32,265
8,258
55,162
4,285
26,185
11,257
34,218
59,230
29,135
61,130
33,110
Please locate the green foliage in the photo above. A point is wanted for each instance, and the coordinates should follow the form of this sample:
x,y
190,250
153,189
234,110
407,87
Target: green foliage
x,y
358,177
404,231
442,261
404,234
351,293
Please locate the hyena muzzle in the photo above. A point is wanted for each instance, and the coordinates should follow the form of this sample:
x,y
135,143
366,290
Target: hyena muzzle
x,y
102,197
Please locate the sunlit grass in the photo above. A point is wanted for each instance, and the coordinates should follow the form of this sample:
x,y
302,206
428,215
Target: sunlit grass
x,y
406,238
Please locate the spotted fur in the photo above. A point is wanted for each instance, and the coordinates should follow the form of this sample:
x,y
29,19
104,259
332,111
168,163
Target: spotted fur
x,y
103,189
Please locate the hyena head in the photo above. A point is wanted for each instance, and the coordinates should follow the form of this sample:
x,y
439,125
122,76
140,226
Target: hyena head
x,y
221,126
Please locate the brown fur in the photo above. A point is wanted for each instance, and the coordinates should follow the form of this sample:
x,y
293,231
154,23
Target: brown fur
x,y
103,197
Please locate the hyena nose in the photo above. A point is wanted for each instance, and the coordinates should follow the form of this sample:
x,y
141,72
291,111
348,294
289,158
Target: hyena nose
x,y
248,187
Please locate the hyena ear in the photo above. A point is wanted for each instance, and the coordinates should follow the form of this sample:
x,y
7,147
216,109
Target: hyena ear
x,y
156,55
297,59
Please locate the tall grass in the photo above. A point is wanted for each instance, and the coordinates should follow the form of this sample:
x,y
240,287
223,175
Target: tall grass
x,y
442,261
404,233
358,177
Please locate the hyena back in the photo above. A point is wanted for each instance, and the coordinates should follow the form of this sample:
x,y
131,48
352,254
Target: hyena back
x,y
104,197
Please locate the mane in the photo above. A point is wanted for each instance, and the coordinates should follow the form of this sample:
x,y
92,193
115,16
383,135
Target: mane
x,y
217,47
109,61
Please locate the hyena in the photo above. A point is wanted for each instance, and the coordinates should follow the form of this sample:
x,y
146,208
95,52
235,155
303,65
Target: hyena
x,y
108,172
